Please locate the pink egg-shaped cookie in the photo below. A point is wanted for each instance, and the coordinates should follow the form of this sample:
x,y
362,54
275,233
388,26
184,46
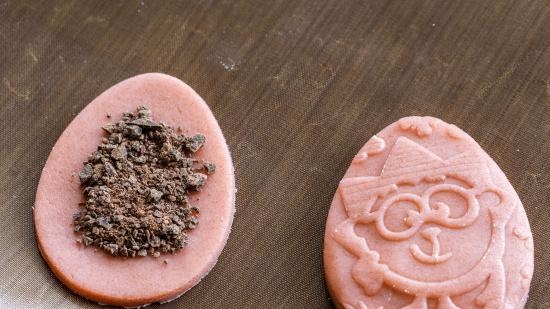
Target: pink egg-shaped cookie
x,y
132,282
424,218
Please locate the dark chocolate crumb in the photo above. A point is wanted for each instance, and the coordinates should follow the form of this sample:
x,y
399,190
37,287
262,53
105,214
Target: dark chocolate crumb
x,y
209,167
194,143
136,186
145,123
133,131
195,181
155,195
86,173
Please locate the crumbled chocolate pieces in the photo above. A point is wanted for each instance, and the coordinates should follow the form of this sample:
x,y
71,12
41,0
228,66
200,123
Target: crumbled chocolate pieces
x,y
136,185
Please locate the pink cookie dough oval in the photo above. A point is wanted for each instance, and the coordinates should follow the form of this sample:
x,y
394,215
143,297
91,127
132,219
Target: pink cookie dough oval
x,y
424,218
132,282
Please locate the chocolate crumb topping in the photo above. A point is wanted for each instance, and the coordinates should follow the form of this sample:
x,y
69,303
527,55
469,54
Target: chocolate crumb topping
x,y
136,186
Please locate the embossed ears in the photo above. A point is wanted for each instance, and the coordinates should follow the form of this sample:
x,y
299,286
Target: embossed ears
x,y
492,197
368,273
498,203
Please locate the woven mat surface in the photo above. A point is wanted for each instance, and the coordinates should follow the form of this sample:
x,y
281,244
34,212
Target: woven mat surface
x,y
297,87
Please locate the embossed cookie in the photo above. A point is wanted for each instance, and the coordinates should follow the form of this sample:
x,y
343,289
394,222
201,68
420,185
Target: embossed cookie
x,y
424,218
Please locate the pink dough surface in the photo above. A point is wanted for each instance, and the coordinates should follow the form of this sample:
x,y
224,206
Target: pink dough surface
x,y
424,218
122,281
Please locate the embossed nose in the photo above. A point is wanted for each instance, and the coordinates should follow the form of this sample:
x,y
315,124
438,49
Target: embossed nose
x,y
431,234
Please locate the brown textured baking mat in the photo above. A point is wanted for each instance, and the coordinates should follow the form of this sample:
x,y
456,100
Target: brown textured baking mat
x,y
297,87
